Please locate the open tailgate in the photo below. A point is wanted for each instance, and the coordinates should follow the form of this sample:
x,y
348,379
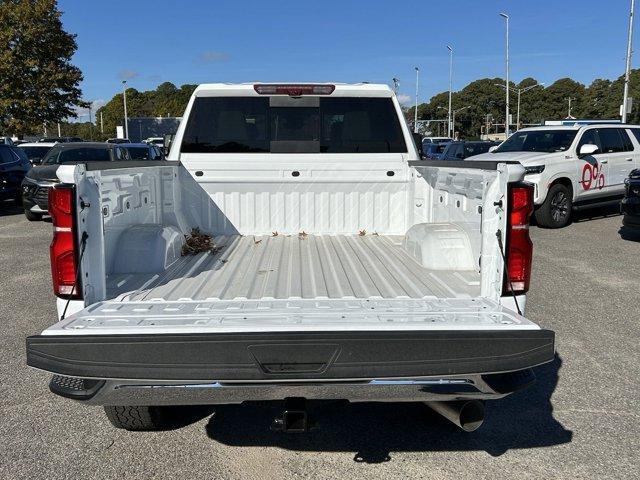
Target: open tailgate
x,y
258,340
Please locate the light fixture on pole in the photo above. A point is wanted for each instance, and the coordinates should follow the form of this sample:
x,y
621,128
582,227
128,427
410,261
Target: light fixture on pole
x,y
396,86
627,73
415,113
449,126
126,118
506,122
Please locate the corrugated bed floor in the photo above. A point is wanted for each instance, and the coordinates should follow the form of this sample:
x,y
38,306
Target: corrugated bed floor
x,y
303,266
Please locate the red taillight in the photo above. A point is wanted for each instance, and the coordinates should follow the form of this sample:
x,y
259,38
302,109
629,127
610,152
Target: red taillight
x,y
519,246
63,247
293,90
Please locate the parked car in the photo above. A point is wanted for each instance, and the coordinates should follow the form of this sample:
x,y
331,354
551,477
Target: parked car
x,y
14,165
60,140
237,274
437,140
36,151
40,179
461,150
157,141
118,140
572,166
433,151
143,151
630,206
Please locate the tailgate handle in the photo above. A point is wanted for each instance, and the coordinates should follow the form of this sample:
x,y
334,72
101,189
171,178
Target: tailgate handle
x,y
299,357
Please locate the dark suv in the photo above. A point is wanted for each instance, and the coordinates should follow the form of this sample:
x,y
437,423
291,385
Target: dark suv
x,y
36,184
461,150
630,205
14,165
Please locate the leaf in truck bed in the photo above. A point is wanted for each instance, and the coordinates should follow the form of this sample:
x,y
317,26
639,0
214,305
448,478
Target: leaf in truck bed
x,y
198,242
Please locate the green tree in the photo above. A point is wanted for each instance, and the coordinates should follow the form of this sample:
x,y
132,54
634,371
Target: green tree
x,y
165,100
38,82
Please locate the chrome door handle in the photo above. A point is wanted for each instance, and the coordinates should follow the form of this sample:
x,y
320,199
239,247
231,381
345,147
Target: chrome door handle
x,y
604,161
629,159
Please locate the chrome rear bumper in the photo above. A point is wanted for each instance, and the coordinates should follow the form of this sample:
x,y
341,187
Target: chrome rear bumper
x,y
120,392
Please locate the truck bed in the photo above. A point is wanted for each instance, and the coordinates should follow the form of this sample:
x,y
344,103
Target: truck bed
x,y
301,266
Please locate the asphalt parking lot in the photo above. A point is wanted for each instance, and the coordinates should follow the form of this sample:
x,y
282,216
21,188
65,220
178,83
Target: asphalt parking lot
x,y
581,419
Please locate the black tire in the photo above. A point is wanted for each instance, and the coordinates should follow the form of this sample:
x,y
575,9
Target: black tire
x,y
32,216
555,212
139,418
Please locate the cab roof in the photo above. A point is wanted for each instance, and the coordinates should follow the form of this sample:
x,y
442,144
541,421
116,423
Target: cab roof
x,y
247,89
578,127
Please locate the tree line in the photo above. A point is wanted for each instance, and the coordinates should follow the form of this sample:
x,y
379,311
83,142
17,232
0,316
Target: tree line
x,y
485,99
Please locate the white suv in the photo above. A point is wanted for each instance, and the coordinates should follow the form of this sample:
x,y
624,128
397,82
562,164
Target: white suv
x,y
572,166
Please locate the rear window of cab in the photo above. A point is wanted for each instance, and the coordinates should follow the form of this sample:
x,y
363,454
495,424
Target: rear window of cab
x,y
293,125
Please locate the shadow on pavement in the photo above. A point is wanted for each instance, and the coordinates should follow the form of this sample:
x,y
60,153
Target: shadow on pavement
x,y
9,208
596,213
375,430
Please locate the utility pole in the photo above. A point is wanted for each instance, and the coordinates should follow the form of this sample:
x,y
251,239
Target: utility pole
x,y
59,134
396,87
625,98
449,126
415,113
101,124
506,121
126,118
90,124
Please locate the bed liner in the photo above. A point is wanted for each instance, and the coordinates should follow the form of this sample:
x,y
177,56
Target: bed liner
x,y
299,266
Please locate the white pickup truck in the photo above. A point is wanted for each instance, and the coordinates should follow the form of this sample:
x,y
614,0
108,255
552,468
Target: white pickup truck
x,y
342,266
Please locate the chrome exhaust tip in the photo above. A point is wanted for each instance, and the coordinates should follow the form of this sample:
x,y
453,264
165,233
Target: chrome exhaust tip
x,y
466,414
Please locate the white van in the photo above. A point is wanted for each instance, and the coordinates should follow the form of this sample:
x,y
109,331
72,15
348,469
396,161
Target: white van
x,y
572,167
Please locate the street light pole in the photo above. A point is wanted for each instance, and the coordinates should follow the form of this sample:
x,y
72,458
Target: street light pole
x,y
396,87
415,113
90,123
506,121
521,91
126,118
625,98
449,129
453,121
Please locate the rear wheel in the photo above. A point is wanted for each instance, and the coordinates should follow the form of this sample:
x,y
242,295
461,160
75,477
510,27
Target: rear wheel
x,y
555,212
138,418
32,216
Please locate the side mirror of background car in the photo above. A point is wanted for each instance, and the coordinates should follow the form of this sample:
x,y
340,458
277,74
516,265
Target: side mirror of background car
x,y
493,148
587,149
